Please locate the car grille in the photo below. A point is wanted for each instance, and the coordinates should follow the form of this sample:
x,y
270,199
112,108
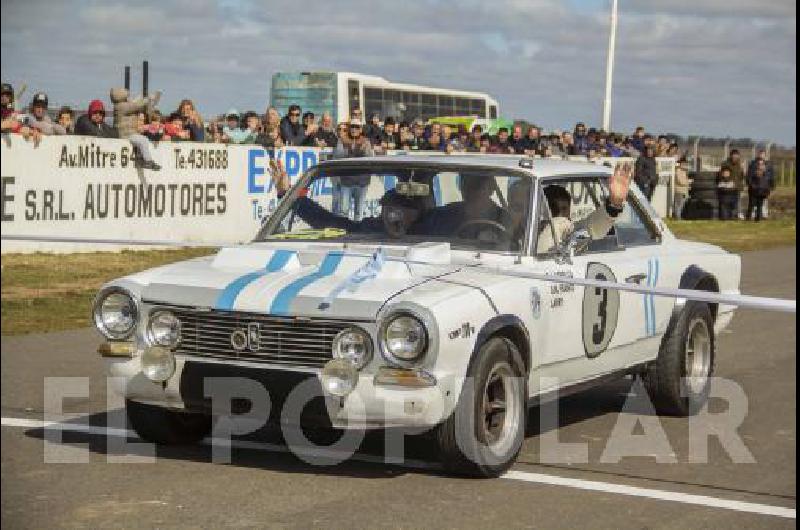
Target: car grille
x,y
281,340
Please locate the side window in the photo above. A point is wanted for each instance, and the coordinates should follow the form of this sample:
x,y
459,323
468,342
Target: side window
x,y
573,204
631,228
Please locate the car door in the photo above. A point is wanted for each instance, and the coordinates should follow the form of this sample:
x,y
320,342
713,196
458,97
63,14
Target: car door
x,y
587,331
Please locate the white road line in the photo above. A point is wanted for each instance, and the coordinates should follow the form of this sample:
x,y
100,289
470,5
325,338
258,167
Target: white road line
x,y
686,498
537,478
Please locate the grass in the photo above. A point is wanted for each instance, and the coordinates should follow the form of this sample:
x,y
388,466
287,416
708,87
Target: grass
x,y
50,292
739,236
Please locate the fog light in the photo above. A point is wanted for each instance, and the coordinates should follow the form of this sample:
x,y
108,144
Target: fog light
x,y
339,377
158,363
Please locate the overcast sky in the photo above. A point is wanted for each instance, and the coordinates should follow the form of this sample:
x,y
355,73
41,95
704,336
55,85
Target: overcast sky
x,y
713,67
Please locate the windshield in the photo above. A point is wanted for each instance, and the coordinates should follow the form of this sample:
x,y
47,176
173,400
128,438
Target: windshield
x,y
470,208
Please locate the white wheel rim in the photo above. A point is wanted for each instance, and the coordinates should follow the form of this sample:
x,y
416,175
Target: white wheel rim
x,y
698,355
500,407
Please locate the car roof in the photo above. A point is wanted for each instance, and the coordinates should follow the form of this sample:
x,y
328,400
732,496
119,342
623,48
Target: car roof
x,y
541,167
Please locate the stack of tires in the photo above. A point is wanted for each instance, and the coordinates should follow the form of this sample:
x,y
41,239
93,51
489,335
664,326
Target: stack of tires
x,y
702,203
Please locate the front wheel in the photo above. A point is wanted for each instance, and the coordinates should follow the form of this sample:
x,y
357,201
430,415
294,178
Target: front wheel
x,y
678,381
167,427
485,432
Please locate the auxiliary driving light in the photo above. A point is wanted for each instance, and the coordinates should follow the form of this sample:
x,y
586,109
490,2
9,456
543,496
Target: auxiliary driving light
x,y
339,377
158,363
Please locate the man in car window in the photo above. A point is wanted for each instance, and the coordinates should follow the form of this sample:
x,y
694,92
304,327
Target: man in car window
x,y
598,223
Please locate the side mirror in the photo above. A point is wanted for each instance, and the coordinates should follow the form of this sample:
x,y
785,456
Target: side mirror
x,y
577,242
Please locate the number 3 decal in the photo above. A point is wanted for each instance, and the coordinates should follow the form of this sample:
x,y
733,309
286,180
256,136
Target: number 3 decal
x,y
600,311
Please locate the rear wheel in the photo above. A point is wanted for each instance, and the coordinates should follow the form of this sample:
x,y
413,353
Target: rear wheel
x,y
167,427
678,381
485,432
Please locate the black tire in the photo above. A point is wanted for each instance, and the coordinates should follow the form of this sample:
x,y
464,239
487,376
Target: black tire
x,y
674,393
167,427
706,196
704,176
703,188
696,209
462,437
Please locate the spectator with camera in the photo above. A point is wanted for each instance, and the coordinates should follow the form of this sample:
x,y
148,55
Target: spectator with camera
x,y
192,121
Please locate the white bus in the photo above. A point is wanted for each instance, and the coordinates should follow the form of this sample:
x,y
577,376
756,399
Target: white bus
x,y
340,92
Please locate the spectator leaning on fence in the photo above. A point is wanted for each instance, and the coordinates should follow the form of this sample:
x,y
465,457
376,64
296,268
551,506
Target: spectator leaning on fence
x,y
13,120
325,135
38,118
126,117
292,131
93,122
173,129
65,118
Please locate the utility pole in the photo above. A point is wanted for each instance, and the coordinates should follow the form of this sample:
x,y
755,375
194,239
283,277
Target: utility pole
x,y
612,38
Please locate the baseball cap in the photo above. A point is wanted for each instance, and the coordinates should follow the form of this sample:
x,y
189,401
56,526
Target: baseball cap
x,y
7,89
232,112
40,98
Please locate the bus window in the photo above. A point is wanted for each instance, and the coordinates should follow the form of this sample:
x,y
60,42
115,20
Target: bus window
x,y
373,101
353,97
446,106
477,107
428,107
411,101
492,112
462,107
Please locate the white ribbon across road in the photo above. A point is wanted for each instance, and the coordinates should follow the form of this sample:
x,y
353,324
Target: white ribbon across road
x,y
738,300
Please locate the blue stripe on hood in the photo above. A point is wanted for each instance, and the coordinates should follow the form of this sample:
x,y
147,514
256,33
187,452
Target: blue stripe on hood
x,y
276,263
283,300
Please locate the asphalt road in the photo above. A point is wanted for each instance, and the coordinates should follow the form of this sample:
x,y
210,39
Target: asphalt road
x,y
265,486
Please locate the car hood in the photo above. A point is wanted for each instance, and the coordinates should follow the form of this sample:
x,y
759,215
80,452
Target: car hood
x,y
330,281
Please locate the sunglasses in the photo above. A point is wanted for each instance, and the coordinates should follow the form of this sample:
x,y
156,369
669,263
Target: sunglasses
x,y
294,114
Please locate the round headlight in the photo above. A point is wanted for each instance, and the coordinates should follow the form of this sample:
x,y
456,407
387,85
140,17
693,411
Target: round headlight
x,y
405,338
164,329
158,363
115,313
339,377
353,345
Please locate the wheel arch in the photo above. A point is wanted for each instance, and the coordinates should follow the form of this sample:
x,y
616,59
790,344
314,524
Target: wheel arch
x,y
699,279
510,327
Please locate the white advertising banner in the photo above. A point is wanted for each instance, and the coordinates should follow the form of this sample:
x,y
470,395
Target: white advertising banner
x,y
91,188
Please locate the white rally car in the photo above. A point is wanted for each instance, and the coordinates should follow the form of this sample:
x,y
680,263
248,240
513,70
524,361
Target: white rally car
x,y
395,289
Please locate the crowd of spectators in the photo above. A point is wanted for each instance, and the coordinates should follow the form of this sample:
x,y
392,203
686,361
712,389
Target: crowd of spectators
x,y
142,123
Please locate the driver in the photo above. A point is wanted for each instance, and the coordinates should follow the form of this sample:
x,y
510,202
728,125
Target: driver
x,y
470,217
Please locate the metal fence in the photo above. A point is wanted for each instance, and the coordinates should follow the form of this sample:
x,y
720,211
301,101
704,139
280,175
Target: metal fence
x,y
708,155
